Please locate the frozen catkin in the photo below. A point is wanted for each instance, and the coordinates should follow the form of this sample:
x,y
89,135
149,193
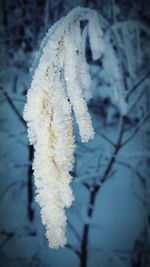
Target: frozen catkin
x,y
59,88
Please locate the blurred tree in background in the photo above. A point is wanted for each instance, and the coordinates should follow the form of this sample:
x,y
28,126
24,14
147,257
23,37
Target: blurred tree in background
x,y
109,221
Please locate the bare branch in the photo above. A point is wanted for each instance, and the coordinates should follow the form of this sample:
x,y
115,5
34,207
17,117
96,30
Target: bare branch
x,y
93,193
71,226
22,165
30,185
10,102
129,166
136,130
8,235
117,148
107,139
73,249
136,101
86,185
135,87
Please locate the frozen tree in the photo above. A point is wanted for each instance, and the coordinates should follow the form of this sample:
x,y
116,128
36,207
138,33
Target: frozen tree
x,y
60,83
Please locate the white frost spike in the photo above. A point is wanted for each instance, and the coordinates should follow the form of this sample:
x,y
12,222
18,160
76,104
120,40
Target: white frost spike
x,y
84,67
111,66
74,88
95,36
61,82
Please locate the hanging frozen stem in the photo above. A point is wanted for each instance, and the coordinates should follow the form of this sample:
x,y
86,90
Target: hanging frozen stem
x,y
60,86
111,66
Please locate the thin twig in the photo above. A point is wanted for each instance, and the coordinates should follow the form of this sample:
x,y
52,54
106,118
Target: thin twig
x,y
136,101
93,194
10,102
30,209
107,139
129,166
71,226
73,249
136,130
117,148
86,185
137,85
8,235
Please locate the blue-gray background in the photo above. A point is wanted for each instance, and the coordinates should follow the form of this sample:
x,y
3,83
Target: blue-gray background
x,y
107,228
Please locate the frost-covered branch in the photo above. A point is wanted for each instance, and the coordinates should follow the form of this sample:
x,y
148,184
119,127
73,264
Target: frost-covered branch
x,y
59,88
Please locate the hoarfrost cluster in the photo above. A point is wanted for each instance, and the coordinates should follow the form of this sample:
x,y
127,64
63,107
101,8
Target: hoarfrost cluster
x,y
59,88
